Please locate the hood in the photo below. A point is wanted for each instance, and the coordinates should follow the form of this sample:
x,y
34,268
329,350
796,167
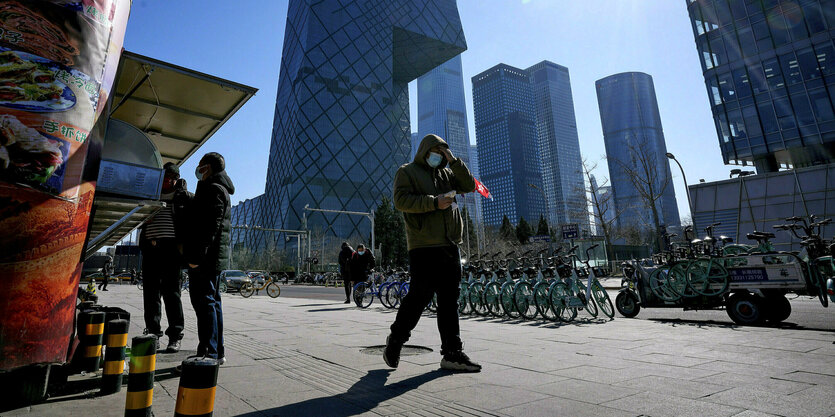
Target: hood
x,y
222,179
428,142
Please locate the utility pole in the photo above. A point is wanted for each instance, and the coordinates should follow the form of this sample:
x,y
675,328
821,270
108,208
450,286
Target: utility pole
x,y
369,215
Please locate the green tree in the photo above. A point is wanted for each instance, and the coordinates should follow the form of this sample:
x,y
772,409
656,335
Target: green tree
x,y
523,231
390,234
506,232
542,228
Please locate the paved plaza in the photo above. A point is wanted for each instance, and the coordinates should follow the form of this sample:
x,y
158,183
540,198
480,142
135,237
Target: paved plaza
x,y
305,357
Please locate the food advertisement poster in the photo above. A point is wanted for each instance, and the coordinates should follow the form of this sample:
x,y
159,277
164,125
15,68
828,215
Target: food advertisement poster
x,y
58,60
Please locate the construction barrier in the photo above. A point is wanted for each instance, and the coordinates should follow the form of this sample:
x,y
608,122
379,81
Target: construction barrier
x,y
114,356
198,382
143,360
91,326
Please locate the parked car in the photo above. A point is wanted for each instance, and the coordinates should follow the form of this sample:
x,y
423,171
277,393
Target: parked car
x,y
258,277
234,279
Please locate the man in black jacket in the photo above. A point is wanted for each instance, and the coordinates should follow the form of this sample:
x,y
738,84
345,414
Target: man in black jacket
x,y
207,251
344,257
162,261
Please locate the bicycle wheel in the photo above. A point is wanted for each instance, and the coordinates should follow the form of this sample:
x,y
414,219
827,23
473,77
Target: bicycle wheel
x,y
558,294
139,285
384,294
660,286
464,298
540,298
273,290
706,277
601,297
589,304
491,299
393,295
363,295
476,299
222,287
506,301
523,299
678,282
247,290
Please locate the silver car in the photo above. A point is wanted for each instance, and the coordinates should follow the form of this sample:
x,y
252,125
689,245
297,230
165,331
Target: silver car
x,y
234,279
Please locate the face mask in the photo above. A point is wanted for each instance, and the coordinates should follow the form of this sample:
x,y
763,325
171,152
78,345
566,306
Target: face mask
x,y
360,252
434,159
198,174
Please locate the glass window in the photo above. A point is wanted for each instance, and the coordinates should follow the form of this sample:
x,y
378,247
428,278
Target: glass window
x,y
755,73
743,87
778,28
746,41
826,59
707,57
726,88
821,105
791,69
785,114
732,52
808,63
738,10
802,110
737,127
767,118
698,22
713,86
762,35
814,18
723,12
773,76
828,9
752,121
723,127
794,17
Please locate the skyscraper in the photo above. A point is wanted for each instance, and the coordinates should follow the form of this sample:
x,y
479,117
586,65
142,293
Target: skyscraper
x,y
636,149
478,216
442,110
341,124
559,145
601,204
770,78
505,124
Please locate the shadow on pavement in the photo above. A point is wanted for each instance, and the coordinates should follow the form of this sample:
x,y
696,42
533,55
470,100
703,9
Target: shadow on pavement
x,y
733,326
367,393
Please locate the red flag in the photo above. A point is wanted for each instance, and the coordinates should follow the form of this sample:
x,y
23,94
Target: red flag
x,y
482,189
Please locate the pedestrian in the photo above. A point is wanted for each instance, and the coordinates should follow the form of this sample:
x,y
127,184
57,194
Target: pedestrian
x,y
107,271
423,191
162,260
344,257
359,265
207,251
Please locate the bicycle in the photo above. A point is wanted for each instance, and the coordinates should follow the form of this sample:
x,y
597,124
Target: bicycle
x,y
269,284
365,291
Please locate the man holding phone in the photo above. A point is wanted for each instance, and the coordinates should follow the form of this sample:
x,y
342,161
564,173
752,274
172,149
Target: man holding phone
x,y
424,190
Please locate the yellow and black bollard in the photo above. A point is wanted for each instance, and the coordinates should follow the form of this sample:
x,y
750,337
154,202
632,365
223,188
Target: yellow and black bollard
x,y
143,361
196,395
114,356
91,324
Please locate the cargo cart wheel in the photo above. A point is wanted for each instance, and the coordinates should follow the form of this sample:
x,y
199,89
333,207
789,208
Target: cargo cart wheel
x,y
777,308
745,309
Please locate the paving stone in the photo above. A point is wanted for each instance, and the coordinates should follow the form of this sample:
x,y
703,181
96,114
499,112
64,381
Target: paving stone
x,y
491,397
550,407
675,387
588,392
768,402
660,405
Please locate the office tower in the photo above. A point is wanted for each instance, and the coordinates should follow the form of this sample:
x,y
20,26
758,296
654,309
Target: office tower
x,y
769,72
505,124
559,145
416,138
601,204
635,144
341,125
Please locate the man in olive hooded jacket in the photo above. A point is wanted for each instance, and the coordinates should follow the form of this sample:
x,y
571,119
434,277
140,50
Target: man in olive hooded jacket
x,y
424,191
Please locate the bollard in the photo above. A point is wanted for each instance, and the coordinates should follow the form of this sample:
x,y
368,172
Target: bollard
x,y
114,356
91,325
198,382
143,360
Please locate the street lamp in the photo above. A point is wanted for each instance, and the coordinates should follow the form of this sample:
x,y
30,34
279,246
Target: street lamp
x,y
683,177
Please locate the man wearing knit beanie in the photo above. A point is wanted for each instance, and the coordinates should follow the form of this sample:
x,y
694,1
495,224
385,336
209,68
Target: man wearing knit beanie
x,y
207,251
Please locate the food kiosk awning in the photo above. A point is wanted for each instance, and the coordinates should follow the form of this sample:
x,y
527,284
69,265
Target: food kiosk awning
x,y
179,110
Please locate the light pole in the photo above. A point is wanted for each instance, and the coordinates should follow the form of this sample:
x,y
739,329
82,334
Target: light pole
x,y
686,188
370,216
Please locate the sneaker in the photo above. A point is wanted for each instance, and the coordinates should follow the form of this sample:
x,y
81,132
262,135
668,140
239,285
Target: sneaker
x,y
459,361
391,354
173,346
221,360
347,302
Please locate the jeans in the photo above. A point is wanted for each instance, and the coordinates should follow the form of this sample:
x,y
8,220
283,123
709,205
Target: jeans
x,y
203,288
433,270
161,269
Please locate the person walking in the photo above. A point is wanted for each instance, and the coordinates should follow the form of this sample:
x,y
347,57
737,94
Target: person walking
x,y
161,242
361,261
207,251
344,257
424,191
107,271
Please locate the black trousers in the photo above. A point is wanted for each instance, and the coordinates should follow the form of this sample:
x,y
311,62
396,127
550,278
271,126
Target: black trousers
x,y
161,280
433,271
104,280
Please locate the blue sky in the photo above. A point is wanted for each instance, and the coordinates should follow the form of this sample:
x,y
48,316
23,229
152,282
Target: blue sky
x,y
242,41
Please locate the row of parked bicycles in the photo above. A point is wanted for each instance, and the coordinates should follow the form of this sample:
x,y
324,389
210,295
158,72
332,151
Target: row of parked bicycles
x,y
551,286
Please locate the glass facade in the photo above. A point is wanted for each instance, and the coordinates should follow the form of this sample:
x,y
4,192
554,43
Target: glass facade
x,y
559,145
442,110
508,160
341,125
247,212
635,142
770,75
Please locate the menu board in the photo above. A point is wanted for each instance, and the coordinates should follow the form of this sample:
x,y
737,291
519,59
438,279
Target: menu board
x,y
58,61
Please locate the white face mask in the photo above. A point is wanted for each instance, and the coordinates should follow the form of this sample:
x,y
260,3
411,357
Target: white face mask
x,y
360,252
434,159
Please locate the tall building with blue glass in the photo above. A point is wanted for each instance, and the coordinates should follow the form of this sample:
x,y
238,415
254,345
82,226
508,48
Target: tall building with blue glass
x,y
505,125
559,145
769,69
341,125
635,143
442,111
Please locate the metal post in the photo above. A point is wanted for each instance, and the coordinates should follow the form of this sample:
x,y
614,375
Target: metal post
x,y
686,188
371,217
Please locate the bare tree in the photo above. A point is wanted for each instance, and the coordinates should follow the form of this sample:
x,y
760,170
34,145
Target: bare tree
x,y
649,176
603,208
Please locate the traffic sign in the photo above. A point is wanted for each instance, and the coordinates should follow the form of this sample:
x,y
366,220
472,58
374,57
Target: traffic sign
x,y
570,231
539,239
